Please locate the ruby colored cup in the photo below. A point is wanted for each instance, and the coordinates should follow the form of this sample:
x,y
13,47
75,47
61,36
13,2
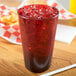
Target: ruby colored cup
x,y
38,35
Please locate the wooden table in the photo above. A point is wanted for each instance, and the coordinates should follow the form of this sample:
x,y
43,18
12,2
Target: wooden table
x,y
12,63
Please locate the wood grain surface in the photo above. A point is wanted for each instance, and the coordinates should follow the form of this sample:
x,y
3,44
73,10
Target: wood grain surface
x,y
12,62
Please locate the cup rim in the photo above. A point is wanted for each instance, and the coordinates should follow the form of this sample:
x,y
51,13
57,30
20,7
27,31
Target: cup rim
x,y
37,18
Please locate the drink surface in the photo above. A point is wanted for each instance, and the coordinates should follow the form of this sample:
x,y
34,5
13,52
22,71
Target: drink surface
x,y
38,26
38,11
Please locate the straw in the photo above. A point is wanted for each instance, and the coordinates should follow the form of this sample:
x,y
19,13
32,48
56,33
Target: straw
x,y
59,70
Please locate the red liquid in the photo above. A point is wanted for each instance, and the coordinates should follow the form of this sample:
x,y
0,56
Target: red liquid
x,y
38,26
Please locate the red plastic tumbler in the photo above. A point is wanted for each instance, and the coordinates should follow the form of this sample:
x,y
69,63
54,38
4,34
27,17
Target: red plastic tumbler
x,y
38,27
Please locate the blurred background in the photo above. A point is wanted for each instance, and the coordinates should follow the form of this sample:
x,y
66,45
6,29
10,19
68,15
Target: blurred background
x,y
65,4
